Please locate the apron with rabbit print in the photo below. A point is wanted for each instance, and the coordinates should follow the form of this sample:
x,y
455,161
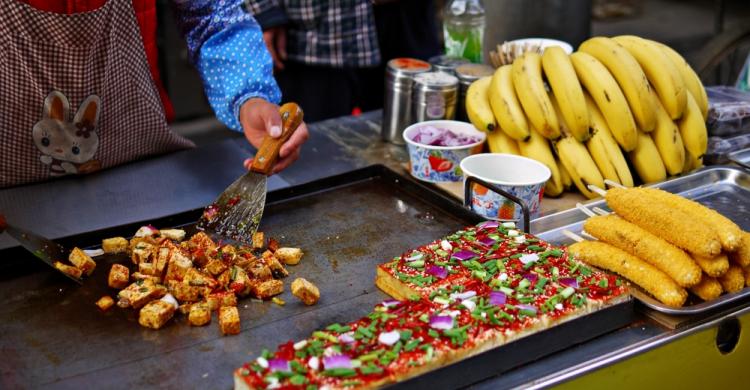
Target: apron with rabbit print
x,y
77,95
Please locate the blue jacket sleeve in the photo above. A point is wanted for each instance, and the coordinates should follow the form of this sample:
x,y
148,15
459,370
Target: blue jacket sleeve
x,y
226,45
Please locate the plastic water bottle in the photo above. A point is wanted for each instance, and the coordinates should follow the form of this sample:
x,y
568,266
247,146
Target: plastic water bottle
x,y
463,29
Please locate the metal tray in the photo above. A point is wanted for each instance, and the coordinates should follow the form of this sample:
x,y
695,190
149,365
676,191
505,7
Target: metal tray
x,y
53,335
741,158
724,189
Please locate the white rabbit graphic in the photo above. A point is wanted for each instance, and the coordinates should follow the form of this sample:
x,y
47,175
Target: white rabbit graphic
x,y
68,148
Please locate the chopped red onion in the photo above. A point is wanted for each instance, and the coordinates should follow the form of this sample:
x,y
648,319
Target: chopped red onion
x,y
441,322
529,258
415,256
346,338
464,255
438,272
390,303
437,136
337,361
464,295
569,282
486,241
389,338
531,277
527,307
498,298
488,224
278,365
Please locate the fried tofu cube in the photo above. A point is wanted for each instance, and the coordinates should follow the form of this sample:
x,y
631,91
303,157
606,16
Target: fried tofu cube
x,y
259,240
115,245
69,269
201,245
136,276
105,302
178,266
155,314
277,269
259,271
194,277
162,259
289,256
199,314
229,320
216,267
241,282
140,293
147,268
273,245
146,231
227,254
119,275
185,308
267,289
173,234
184,292
220,299
82,261
142,252
305,291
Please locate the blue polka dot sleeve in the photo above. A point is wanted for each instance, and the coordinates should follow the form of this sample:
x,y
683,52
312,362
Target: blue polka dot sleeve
x,y
226,45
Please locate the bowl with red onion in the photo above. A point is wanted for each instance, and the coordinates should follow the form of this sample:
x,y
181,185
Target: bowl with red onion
x,y
436,149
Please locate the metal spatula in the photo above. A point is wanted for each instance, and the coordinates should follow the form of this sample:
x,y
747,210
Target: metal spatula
x,y
236,213
44,249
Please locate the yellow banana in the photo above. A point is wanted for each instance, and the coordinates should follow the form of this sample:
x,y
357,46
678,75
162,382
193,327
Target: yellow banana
x,y
608,97
567,91
692,163
505,105
537,148
647,161
661,72
527,81
692,81
567,182
499,142
604,149
668,140
478,105
693,129
629,76
579,164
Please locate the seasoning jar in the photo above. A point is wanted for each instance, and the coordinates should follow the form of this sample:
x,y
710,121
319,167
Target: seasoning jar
x,y
398,88
434,96
467,74
446,63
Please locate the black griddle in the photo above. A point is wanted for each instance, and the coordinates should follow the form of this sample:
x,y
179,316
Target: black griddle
x,y
54,336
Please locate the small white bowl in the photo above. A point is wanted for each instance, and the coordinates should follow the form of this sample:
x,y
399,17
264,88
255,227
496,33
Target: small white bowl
x,y
544,43
439,164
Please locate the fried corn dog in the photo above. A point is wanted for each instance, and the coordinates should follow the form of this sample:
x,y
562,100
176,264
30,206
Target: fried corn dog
x,y
729,233
608,257
741,256
640,243
671,224
733,280
713,266
708,289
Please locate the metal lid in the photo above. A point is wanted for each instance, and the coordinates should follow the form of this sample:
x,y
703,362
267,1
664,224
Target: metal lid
x,y
446,63
467,73
408,65
435,81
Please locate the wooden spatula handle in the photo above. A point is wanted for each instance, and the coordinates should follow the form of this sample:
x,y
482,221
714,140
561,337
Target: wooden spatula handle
x,y
268,153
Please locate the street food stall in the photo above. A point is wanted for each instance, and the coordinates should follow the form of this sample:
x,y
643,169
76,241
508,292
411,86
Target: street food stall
x,y
419,262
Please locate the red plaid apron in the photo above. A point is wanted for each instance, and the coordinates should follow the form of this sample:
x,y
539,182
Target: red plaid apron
x,y
76,93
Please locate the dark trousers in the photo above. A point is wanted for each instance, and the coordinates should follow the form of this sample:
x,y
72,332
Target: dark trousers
x,y
406,28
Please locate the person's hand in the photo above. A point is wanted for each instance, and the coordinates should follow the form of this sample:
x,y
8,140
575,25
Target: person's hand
x,y
275,38
258,118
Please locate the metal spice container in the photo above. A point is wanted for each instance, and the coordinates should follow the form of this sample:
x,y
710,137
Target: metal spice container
x,y
467,74
434,96
398,89
446,63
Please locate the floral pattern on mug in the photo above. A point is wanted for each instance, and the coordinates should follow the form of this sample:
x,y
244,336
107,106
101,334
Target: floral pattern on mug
x,y
492,205
436,165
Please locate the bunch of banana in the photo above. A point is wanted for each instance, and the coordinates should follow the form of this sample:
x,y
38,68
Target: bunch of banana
x,y
584,115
